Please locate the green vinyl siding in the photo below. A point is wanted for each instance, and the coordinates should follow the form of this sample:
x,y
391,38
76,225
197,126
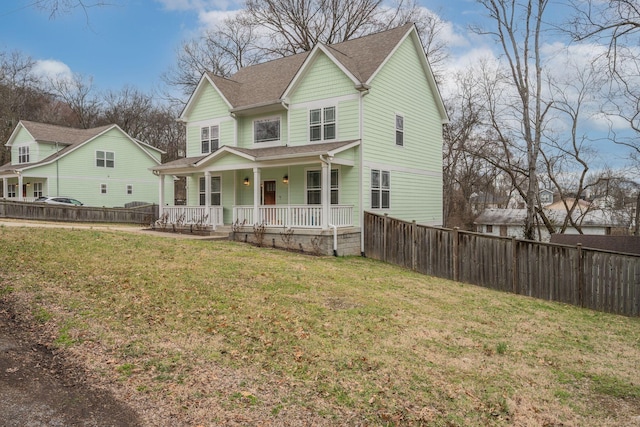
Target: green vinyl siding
x,y
225,135
76,174
208,105
400,87
245,129
322,80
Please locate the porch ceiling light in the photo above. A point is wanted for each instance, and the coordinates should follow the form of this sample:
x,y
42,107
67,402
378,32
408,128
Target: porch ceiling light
x,y
285,179
246,181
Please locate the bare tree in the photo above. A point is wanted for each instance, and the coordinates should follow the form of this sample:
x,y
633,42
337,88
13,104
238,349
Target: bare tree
x,y
56,8
77,93
615,24
518,29
130,109
274,28
233,44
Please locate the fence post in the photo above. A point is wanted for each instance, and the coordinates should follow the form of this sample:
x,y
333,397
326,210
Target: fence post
x,y
455,254
580,277
414,249
514,265
384,237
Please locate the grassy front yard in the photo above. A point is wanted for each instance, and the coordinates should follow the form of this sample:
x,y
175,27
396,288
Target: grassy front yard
x,y
220,333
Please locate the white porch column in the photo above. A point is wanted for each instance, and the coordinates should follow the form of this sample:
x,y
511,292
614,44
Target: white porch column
x,y
5,187
207,190
326,193
19,189
161,195
256,196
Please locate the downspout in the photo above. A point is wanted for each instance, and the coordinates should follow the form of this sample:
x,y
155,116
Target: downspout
x,y
364,90
328,184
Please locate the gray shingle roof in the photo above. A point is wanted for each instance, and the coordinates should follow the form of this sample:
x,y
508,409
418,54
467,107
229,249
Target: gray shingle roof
x,y
260,154
362,57
42,132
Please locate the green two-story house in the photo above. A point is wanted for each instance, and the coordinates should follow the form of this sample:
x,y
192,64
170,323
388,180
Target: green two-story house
x,y
102,166
309,142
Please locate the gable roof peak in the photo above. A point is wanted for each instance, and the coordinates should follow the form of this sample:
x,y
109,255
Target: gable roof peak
x,y
360,56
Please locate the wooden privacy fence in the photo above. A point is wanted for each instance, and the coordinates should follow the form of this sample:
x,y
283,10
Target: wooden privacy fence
x,y
590,278
41,211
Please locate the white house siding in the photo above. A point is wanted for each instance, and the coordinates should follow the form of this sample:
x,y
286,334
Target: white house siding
x,y
401,87
81,179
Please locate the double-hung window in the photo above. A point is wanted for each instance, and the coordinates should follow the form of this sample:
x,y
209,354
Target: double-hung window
x,y
23,154
399,130
322,124
12,190
209,139
37,189
105,159
216,191
314,187
266,130
380,189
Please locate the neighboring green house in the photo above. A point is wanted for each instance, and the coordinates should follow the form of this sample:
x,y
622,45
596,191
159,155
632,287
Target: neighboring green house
x,y
311,141
100,167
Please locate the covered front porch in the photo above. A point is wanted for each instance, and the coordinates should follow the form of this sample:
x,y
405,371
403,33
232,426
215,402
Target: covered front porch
x,y
282,216
307,187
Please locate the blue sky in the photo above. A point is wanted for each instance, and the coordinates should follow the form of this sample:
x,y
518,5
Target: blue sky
x,y
132,42
129,42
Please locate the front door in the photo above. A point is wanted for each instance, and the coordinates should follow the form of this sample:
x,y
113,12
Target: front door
x,y
269,194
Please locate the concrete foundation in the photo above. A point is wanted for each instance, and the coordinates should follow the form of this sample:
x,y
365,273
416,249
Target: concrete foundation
x,y
313,241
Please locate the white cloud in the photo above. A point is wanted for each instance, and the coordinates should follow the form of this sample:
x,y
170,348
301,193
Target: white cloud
x,y
51,69
214,18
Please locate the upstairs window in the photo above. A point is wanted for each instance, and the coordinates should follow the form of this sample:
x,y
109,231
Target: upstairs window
x,y
399,130
23,154
105,159
322,124
380,189
266,130
209,139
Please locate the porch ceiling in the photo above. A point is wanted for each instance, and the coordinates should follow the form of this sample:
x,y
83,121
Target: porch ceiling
x,y
257,155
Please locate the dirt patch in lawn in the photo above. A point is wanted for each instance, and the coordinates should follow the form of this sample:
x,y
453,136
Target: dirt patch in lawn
x,y
40,387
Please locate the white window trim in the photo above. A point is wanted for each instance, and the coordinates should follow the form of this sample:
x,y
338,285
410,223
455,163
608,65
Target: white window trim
x,y
395,130
379,189
105,159
210,127
106,189
27,153
200,193
339,188
335,123
266,143
127,188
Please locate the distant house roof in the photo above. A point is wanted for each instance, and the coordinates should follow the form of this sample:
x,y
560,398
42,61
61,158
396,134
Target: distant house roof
x,y
68,138
594,218
360,57
559,205
626,244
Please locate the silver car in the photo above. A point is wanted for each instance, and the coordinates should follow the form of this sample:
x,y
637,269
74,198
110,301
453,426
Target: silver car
x,y
68,201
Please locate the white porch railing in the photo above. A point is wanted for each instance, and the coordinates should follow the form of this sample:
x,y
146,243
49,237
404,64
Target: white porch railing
x,y
188,215
21,199
298,216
